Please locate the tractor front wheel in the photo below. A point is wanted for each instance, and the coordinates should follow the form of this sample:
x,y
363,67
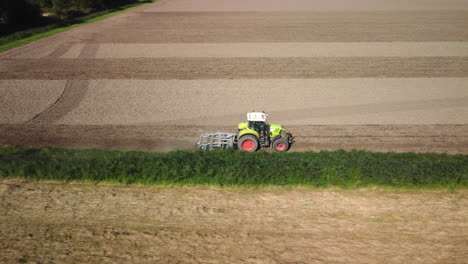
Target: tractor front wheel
x,y
280,144
248,143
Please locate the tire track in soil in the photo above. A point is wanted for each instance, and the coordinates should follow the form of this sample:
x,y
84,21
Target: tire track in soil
x,y
89,51
60,50
74,91
71,97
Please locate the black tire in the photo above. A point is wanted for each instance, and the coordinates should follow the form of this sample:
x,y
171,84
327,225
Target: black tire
x,y
248,143
280,145
290,143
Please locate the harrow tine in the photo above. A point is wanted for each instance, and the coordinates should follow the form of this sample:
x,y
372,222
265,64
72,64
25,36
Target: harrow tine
x,y
218,140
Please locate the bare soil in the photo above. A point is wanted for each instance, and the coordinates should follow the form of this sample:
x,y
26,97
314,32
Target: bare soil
x,y
138,26
275,50
107,103
42,222
301,5
397,138
233,68
37,97
232,27
102,103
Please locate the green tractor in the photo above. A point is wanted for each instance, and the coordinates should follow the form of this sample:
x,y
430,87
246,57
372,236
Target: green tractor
x,y
251,136
256,133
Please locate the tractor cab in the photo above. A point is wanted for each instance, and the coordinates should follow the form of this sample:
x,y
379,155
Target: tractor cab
x,y
256,121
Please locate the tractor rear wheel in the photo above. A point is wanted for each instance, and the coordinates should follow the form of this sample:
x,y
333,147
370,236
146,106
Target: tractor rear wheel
x,y
280,145
248,143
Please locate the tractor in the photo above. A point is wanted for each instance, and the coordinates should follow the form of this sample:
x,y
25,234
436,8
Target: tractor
x,y
251,136
256,133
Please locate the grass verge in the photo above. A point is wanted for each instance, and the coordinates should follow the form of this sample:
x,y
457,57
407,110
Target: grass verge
x,y
346,169
26,36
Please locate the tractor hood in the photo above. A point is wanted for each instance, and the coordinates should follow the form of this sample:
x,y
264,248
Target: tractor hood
x,y
277,130
242,125
275,126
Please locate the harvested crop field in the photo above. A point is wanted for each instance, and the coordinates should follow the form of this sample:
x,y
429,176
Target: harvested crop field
x,y
380,76
228,225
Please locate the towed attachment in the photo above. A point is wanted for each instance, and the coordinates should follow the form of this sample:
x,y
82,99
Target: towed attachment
x,y
218,140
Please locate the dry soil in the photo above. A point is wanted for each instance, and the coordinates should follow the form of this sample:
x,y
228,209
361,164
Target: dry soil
x,y
382,75
176,65
44,222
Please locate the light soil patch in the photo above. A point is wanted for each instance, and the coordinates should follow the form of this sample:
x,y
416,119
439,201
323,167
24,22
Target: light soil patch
x,y
22,100
73,51
288,101
71,97
46,222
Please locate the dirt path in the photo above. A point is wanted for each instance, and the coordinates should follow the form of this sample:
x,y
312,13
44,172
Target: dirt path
x,y
51,222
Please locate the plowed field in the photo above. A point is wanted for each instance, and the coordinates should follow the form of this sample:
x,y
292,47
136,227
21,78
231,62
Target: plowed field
x,y
378,76
382,75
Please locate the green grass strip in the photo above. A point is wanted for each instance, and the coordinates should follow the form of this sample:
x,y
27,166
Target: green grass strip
x,y
345,169
15,39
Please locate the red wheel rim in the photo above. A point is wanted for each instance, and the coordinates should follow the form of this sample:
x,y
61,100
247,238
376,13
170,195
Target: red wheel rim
x,y
281,146
248,145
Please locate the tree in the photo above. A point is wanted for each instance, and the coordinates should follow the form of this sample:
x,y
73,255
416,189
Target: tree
x,y
59,8
44,4
19,12
86,4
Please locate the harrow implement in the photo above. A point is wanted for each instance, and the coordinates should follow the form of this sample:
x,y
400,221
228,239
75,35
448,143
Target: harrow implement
x,y
218,140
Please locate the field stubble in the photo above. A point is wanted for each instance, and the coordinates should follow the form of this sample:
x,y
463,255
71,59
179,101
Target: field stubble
x,y
238,225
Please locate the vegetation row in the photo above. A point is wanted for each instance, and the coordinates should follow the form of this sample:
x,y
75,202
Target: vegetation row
x,y
347,169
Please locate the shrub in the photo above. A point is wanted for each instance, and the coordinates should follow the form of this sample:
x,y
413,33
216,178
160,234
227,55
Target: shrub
x,y
338,168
